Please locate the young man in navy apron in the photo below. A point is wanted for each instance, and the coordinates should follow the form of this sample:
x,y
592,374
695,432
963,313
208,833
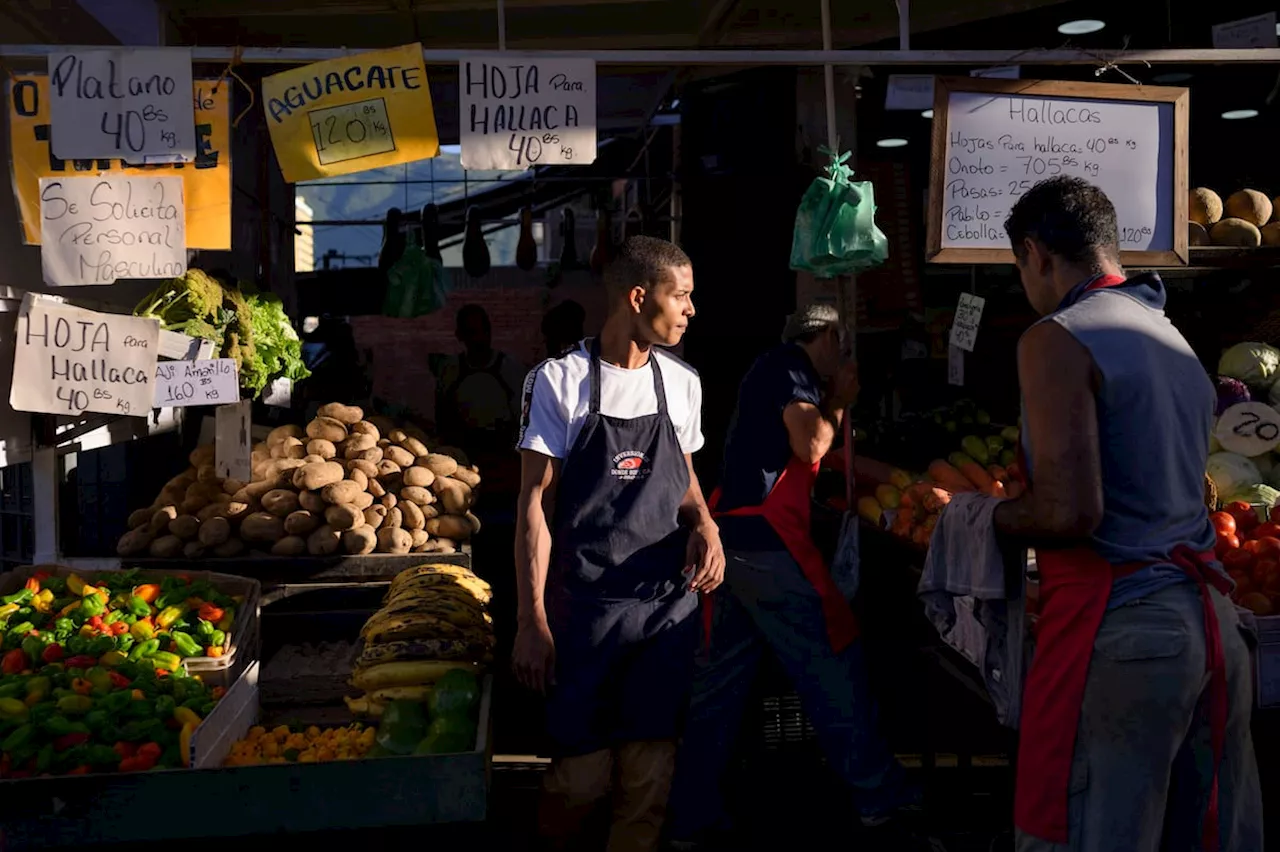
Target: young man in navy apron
x,y
779,594
1135,716
614,542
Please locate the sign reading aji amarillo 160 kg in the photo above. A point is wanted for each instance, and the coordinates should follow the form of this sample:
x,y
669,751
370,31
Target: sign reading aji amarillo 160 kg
x,y
351,114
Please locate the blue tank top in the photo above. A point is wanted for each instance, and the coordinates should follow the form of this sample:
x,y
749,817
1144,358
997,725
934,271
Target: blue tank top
x,y
1155,411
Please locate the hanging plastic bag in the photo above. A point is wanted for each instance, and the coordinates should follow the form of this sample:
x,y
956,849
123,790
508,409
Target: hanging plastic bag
x,y
415,283
836,232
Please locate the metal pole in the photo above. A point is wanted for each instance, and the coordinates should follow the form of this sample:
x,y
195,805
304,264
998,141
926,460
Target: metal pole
x,y
904,24
502,25
829,80
731,58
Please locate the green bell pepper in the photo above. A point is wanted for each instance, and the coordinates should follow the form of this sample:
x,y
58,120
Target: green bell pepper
x,y
33,647
144,649
77,644
12,708
143,709
186,645
218,638
75,705
63,628
18,631
57,585
99,677
112,617
60,726
11,690
165,705
116,701
96,720
204,630
101,756
164,660
100,645
18,738
124,642
91,605
44,757
138,607
42,712
142,729
21,596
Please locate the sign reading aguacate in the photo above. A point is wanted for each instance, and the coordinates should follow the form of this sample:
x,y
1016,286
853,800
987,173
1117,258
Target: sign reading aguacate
x,y
351,114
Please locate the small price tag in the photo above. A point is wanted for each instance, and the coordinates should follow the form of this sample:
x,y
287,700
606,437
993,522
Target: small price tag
x,y
279,393
212,382
964,328
1249,429
955,366
231,441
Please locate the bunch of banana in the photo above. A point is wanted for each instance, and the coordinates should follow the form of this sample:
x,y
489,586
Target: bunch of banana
x,y
434,619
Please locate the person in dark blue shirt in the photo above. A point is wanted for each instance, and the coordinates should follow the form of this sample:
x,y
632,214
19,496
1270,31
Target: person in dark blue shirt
x,y
778,593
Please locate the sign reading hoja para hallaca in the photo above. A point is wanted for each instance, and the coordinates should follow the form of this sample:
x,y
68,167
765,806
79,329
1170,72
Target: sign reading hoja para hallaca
x,y
518,113
351,114
95,230
68,360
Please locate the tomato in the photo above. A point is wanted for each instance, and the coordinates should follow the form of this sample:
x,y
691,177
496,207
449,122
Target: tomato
x,y
1223,522
1268,546
1275,513
1266,574
1226,543
1246,517
1237,560
1268,530
1244,584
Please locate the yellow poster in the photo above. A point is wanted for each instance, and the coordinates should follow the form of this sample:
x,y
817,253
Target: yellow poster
x,y
351,114
206,183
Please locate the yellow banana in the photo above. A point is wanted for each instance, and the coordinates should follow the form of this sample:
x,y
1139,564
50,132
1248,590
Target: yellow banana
x,y
473,586
362,706
413,627
401,693
405,673
421,649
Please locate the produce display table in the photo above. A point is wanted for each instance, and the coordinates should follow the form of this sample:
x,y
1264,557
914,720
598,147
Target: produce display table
x,y
273,571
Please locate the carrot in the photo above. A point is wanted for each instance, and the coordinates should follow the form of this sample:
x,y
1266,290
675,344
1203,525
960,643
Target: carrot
x,y
946,476
973,472
921,536
998,473
901,525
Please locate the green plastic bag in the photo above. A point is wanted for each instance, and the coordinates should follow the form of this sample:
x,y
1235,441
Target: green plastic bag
x,y
836,231
415,283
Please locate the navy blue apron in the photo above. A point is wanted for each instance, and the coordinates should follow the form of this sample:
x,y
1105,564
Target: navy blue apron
x,y
623,624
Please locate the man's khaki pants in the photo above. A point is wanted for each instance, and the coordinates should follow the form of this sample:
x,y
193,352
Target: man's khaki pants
x,y
637,775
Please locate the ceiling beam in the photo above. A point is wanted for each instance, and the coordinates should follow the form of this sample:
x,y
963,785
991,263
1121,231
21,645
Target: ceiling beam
x,y
200,9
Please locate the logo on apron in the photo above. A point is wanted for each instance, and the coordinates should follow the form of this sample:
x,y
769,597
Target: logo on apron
x,y
630,465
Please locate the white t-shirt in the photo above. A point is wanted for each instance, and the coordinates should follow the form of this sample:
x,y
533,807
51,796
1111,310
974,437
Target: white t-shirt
x,y
557,396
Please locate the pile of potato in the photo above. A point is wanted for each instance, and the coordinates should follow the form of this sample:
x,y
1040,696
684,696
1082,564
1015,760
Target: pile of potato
x,y
344,484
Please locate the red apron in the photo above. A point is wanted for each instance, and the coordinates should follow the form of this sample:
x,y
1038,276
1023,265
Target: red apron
x,y
1075,586
787,511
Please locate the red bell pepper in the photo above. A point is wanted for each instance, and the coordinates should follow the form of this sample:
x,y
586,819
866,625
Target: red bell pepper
x,y
81,661
119,628
33,584
118,680
211,613
137,763
79,770
125,749
52,653
14,662
151,750
162,672
42,575
67,741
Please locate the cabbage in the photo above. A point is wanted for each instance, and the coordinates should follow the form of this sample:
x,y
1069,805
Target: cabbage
x,y
1255,364
1256,495
1230,392
1231,473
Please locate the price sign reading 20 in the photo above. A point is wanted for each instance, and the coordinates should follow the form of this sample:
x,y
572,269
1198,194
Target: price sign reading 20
x,y
351,131
1249,429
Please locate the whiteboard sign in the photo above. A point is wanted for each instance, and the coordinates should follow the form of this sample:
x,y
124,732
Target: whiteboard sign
x,y
1249,429
518,113
1258,31
183,383
964,328
68,361
231,450
993,140
128,103
94,230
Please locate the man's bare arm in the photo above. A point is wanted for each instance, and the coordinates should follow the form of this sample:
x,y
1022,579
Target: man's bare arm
x,y
693,508
811,430
1064,504
539,475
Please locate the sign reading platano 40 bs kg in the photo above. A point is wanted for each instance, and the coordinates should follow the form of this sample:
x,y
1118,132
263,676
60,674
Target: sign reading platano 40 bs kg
x,y
351,114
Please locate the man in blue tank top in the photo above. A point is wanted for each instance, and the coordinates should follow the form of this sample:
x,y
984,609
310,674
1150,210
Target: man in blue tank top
x,y
1135,719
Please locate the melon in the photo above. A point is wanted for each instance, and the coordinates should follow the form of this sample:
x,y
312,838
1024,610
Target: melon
x,y
1197,235
1204,207
1236,233
1271,234
1250,205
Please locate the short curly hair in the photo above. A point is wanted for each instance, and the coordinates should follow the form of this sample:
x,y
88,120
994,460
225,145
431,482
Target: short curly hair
x,y
1073,218
643,262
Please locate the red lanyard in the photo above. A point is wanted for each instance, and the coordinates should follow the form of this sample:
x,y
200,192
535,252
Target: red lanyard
x,y
1104,281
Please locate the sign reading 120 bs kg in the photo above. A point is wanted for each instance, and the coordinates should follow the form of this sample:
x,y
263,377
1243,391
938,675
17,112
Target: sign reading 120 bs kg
x,y
522,113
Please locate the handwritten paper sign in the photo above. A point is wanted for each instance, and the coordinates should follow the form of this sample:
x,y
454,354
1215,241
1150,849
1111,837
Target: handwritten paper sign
x,y
955,366
518,113
131,103
964,328
206,182
351,114
231,450
1249,428
69,361
211,382
1258,31
97,229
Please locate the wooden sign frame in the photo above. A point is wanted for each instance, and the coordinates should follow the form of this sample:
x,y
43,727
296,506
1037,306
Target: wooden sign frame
x,y
944,86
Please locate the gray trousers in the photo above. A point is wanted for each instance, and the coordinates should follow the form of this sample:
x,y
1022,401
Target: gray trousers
x,y
766,603
1142,770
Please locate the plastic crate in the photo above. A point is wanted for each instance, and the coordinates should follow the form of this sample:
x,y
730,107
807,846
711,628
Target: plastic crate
x,y
1266,658
214,671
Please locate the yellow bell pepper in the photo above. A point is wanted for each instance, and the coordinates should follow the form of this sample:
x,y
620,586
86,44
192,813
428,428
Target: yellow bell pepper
x,y
113,658
43,601
184,741
68,609
75,585
142,630
168,616
187,716
227,621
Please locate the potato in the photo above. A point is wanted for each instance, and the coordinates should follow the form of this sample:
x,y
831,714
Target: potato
x,y
386,468
280,502
160,520
182,480
474,521
202,455
321,447
327,428
360,540
341,492
257,490
184,527
194,550
229,548
421,496
290,545
135,542
373,454
394,540
420,538
430,512
368,468
214,531
358,477
413,517
208,473
449,526
213,510
279,433
291,448
312,502
279,467
360,442
375,515
344,414
313,477
313,459
394,519
231,486
343,517
171,497
441,465
364,427
140,517
166,547
236,511
414,446
454,495
261,528
422,477
389,500
399,455
323,541
375,489
383,443
467,477
454,453
441,546
363,500
301,522
193,504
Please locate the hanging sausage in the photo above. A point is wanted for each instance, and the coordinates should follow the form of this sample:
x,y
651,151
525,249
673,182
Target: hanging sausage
x,y
475,251
526,248
392,239
569,250
602,251
431,231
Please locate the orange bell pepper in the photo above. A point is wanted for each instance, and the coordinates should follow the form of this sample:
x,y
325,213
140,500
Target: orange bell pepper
x,y
213,651
147,591
33,584
209,612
